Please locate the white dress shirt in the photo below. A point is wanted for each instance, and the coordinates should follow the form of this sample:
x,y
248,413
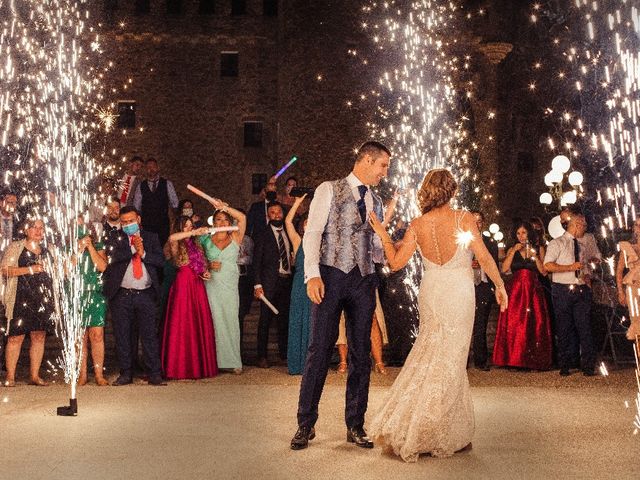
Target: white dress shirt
x,y
560,251
131,282
318,217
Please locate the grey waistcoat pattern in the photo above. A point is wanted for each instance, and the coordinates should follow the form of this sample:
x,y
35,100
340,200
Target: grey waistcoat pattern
x,y
346,241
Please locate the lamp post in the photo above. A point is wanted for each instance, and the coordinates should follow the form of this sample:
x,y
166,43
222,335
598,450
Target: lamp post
x,y
555,180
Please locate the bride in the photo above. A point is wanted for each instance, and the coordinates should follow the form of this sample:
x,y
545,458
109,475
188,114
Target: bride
x,y
429,408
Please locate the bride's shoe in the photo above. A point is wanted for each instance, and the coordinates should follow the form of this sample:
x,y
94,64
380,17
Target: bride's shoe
x,y
342,367
380,368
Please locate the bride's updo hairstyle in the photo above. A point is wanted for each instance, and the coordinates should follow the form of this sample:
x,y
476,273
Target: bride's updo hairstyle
x,y
437,189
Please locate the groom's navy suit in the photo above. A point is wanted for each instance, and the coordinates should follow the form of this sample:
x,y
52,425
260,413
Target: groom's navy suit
x,y
346,266
135,304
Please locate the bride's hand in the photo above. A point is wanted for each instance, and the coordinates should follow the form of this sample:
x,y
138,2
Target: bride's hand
x,y
376,225
501,298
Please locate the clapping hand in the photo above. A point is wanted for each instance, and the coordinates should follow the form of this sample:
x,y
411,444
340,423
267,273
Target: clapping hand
x,y
138,245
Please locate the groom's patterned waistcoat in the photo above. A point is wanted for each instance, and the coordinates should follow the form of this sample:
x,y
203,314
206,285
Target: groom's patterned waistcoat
x,y
346,241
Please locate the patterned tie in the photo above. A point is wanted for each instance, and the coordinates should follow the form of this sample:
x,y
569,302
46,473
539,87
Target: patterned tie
x,y
137,264
125,190
576,254
284,256
362,207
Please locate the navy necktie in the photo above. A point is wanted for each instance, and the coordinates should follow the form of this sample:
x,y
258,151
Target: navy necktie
x,y
576,254
362,206
284,255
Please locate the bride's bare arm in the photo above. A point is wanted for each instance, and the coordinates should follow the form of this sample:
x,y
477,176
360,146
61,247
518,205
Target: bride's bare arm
x,y
485,259
396,257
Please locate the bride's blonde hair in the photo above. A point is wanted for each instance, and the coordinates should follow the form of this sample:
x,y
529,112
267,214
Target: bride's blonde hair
x,y
437,189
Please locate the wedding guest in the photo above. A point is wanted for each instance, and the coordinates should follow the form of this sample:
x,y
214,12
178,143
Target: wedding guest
x,y
111,219
28,300
245,282
272,270
629,285
258,218
300,305
8,220
540,233
485,298
154,196
221,249
92,262
128,184
132,288
188,341
285,198
379,336
567,260
523,334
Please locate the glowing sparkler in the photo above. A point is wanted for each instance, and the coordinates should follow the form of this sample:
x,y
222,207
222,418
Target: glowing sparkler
x,y
284,168
45,105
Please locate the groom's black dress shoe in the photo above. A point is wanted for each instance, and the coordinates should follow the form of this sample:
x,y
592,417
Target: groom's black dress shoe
x,y
122,380
358,436
301,439
565,372
156,380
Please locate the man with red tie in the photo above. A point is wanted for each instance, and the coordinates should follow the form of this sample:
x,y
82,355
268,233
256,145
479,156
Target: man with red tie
x,y
132,288
130,181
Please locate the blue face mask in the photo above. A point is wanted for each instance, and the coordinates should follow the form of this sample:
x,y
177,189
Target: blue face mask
x,y
131,229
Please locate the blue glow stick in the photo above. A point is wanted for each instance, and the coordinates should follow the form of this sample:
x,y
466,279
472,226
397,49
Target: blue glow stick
x,y
287,165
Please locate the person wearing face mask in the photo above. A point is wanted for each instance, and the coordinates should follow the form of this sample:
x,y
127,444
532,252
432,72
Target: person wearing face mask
x,y
273,274
93,261
222,249
257,217
131,287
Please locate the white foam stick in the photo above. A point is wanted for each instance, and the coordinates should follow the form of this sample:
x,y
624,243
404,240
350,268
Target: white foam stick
x,y
213,230
200,193
269,304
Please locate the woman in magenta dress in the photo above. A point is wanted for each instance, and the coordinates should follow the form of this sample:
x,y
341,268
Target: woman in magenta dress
x,y
523,334
188,342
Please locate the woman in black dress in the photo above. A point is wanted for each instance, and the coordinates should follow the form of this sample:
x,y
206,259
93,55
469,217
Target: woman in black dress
x,y
28,300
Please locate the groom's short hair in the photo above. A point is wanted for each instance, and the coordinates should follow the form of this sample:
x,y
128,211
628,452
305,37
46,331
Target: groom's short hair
x,y
371,148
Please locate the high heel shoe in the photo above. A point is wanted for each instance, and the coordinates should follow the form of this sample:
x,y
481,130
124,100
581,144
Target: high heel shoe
x,y
380,368
342,367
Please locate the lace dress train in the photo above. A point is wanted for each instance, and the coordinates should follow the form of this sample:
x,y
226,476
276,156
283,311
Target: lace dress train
x,y
429,409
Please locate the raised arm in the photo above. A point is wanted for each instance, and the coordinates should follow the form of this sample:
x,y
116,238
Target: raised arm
x,y
295,238
396,257
237,215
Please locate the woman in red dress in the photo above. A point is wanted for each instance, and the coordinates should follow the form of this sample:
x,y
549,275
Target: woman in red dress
x,y
188,342
523,335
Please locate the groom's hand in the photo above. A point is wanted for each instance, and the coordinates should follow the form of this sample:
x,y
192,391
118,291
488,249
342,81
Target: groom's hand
x,y
315,289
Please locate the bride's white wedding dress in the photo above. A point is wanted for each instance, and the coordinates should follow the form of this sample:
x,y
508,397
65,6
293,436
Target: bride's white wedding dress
x,y
429,407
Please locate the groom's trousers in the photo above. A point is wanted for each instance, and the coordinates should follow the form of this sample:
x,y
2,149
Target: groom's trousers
x,y
356,295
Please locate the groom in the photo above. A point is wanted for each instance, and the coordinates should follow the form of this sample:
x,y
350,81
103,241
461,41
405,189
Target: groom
x,y
339,271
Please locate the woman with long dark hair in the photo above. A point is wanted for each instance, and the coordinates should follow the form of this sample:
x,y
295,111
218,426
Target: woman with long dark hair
x,y
523,335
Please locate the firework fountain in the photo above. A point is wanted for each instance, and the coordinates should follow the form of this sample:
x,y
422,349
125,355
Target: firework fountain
x,y
46,104
596,111
415,97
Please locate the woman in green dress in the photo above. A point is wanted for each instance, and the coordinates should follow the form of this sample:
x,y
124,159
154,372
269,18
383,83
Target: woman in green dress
x,y
92,262
221,250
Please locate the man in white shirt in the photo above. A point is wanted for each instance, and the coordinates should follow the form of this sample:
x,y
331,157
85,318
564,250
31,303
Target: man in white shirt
x,y
568,259
340,252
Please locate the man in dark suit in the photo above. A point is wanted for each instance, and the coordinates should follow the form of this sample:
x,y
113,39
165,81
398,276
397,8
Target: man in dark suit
x,y
131,286
485,299
272,277
257,218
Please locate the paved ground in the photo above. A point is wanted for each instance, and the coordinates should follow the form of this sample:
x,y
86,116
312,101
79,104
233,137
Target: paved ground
x,y
529,425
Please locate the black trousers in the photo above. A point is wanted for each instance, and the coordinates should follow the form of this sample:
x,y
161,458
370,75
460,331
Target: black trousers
x,y
280,297
485,299
572,308
356,295
130,307
245,292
